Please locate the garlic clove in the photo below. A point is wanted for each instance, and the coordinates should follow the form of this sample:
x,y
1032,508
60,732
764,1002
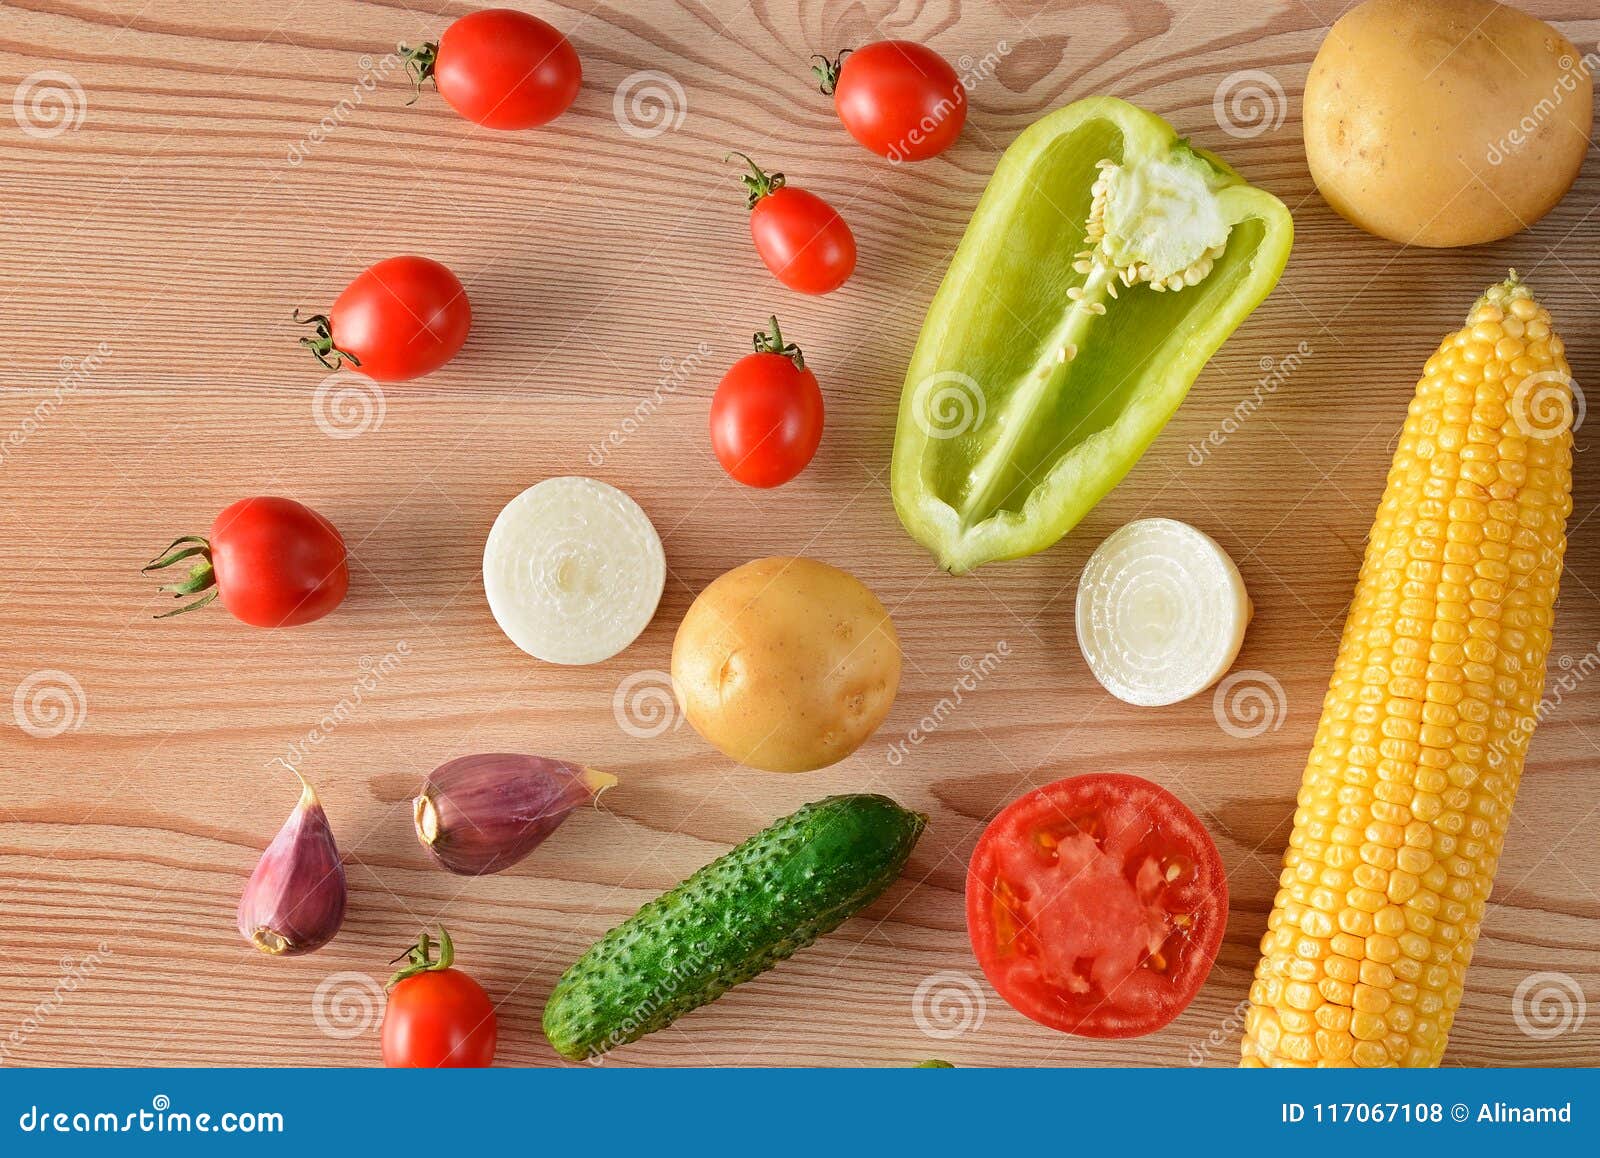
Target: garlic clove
x,y
295,899
480,814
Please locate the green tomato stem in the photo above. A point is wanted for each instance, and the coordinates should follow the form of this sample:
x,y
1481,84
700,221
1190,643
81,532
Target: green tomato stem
x,y
827,73
420,959
202,576
773,343
420,62
757,183
321,345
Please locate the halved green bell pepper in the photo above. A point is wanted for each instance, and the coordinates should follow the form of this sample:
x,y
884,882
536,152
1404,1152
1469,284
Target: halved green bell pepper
x,y
1104,265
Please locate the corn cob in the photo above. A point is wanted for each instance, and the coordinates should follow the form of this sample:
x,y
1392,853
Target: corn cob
x,y
1406,797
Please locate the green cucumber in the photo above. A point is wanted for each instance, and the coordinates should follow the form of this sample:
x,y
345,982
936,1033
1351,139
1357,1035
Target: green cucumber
x,y
733,919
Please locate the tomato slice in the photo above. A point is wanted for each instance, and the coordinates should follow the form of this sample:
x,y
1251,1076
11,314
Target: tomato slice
x,y
1096,905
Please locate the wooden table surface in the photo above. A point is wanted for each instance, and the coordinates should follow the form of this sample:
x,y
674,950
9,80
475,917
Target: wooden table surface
x,y
152,246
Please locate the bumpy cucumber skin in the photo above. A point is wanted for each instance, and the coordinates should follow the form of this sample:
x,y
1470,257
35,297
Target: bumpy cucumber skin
x,y
733,919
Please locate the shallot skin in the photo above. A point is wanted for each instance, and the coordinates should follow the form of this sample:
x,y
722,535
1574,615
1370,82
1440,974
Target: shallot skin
x,y
480,814
295,899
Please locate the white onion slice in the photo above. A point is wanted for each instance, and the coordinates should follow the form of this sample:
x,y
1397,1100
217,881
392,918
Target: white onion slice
x,y
573,570
1161,612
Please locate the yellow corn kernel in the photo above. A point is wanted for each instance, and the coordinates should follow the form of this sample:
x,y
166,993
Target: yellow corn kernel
x,y
1335,1014
1367,1026
1370,1000
1369,1054
1389,920
1299,995
1346,945
1402,887
1376,976
1344,969
1295,1022
1333,1045
1384,950
1407,794
1297,1047
1335,995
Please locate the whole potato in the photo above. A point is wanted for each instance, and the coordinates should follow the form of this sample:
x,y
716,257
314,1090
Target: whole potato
x,y
1445,122
786,664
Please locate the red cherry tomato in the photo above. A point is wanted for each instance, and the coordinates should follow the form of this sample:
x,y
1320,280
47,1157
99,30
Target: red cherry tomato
x,y
437,1017
273,563
400,319
899,99
1096,905
799,237
766,416
501,68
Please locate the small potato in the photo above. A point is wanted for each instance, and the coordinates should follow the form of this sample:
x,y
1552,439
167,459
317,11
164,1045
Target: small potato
x,y
1445,122
786,664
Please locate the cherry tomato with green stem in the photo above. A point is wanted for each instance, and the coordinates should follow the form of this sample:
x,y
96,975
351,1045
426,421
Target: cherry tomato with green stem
x,y
500,68
798,236
273,563
900,99
436,1017
399,319
766,415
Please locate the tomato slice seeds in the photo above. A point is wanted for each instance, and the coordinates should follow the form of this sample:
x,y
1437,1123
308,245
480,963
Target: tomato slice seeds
x,y
1096,905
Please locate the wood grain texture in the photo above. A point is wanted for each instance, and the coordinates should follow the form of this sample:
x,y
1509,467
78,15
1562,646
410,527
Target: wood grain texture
x,y
151,257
